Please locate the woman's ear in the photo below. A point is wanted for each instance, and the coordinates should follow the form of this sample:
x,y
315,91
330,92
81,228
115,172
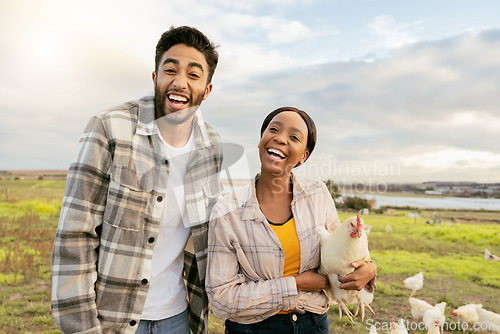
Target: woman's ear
x,y
304,157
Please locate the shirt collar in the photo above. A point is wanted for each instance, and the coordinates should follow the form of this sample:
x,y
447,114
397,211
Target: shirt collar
x,y
252,210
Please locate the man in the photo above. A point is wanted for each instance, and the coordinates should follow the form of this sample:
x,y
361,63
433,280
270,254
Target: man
x,y
131,245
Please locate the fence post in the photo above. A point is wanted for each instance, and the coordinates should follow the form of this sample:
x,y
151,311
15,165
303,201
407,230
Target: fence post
x,y
7,194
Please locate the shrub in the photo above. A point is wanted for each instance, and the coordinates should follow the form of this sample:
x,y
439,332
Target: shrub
x,y
354,203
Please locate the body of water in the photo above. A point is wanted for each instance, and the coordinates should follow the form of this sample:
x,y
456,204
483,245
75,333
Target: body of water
x,y
451,203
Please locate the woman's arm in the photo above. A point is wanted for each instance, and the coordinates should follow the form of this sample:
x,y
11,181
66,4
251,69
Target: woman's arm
x,y
232,294
311,281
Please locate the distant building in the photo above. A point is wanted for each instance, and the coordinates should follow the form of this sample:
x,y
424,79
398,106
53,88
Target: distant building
x,y
433,192
364,211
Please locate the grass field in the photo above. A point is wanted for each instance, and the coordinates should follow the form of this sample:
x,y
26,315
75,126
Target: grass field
x,y
450,254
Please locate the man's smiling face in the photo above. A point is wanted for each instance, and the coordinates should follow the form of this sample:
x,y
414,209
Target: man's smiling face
x,y
180,83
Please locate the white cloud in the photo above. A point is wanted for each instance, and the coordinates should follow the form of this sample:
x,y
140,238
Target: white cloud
x,y
391,33
419,99
445,158
396,110
268,29
251,6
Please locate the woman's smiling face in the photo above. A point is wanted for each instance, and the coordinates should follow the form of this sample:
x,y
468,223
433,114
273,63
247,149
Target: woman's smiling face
x,y
283,143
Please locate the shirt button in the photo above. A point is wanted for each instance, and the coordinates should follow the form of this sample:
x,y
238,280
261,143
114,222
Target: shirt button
x,y
166,162
133,323
159,199
151,240
144,281
294,317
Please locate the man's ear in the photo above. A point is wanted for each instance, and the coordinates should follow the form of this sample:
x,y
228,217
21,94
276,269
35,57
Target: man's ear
x,y
153,75
208,89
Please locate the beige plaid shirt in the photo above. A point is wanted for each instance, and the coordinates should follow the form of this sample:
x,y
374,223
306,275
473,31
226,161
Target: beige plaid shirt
x,y
245,280
110,217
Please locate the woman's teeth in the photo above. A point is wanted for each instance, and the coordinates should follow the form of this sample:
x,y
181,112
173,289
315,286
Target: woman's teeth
x,y
276,152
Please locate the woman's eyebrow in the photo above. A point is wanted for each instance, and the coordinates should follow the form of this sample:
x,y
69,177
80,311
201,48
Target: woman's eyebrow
x,y
281,124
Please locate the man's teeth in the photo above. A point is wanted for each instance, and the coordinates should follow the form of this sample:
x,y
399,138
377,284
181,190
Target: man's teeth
x,y
177,98
272,150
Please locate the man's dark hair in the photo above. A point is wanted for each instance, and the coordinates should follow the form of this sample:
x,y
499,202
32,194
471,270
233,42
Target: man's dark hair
x,y
311,127
191,37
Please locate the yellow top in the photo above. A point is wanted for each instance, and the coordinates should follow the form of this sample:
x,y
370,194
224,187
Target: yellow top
x,y
287,236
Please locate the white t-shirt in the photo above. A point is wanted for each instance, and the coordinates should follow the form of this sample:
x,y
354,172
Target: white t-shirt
x,y
167,295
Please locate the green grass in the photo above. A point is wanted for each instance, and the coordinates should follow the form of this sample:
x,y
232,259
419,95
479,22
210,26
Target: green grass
x,y
28,220
450,255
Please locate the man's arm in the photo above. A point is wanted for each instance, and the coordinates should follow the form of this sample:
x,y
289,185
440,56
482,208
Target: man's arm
x,y
75,252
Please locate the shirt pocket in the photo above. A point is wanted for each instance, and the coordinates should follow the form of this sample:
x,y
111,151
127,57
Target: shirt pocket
x,y
127,200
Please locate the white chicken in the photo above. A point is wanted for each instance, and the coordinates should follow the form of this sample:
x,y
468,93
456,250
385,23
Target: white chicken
x,y
488,319
347,244
414,283
373,330
467,313
434,318
398,327
433,328
418,308
491,257
368,229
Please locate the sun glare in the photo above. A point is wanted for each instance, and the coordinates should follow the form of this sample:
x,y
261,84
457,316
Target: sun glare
x,y
46,52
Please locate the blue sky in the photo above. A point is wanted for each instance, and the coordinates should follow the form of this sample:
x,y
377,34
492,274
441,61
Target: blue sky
x,y
401,91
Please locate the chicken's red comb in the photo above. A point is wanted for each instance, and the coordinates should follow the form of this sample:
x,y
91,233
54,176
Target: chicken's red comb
x,y
358,220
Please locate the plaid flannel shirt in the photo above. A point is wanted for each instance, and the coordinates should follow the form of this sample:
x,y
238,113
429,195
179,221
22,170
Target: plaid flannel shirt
x,y
245,280
110,218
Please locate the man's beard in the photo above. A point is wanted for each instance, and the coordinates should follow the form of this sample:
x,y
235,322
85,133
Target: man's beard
x,y
177,117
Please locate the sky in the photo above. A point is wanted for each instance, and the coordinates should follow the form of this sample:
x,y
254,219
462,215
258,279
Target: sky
x,y
401,91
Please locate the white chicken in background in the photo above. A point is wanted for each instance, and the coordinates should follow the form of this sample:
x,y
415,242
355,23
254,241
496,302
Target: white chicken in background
x,y
491,257
414,283
488,319
418,308
347,244
398,327
434,329
467,313
373,330
368,229
434,318
388,229
492,327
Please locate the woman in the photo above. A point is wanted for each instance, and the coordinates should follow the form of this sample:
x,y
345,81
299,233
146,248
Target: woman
x,y
264,246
